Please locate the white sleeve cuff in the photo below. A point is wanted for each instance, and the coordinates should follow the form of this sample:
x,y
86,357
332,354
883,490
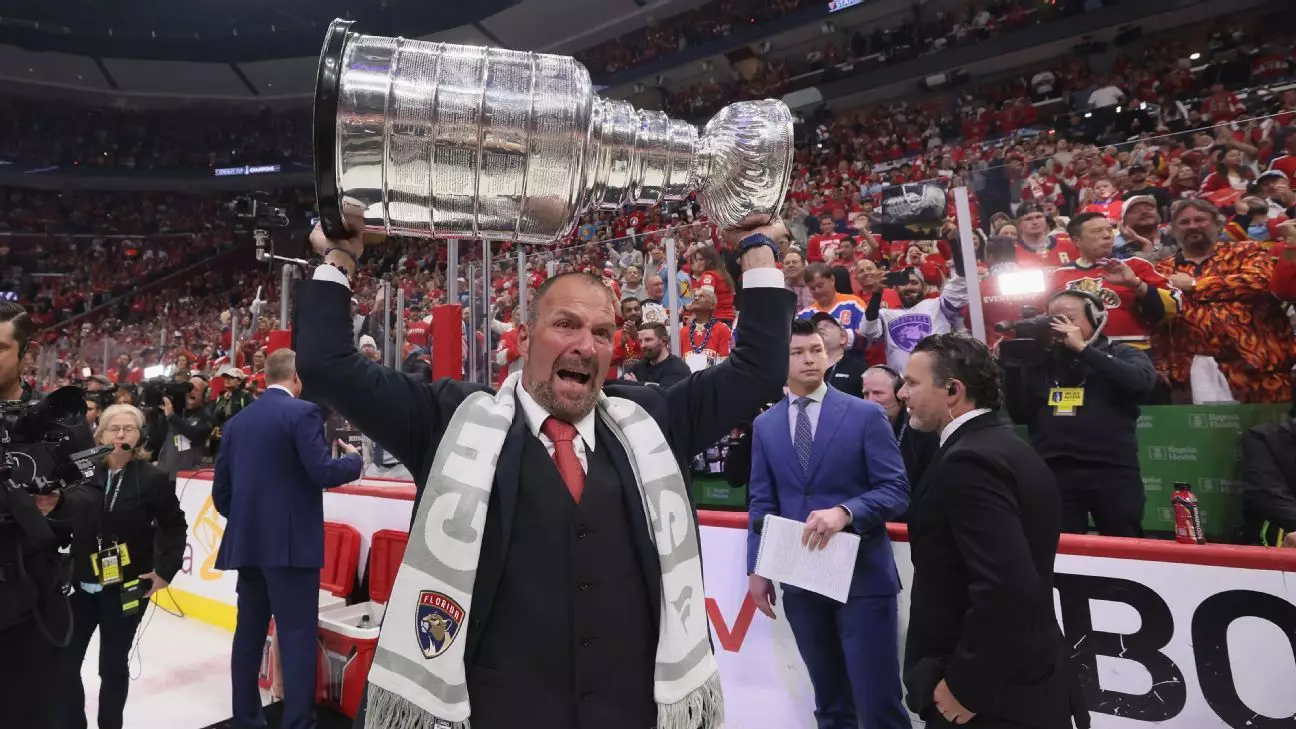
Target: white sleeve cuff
x,y
763,278
325,272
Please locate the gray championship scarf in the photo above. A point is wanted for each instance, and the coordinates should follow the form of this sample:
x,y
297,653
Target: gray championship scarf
x,y
418,677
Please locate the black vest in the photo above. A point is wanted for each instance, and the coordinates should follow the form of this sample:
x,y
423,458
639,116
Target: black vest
x,y
570,640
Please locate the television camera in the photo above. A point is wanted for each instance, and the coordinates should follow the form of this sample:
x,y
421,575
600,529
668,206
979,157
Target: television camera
x,y
1032,338
47,445
154,391
257,209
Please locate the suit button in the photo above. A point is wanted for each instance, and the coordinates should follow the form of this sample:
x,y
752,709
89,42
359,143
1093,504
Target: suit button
x,y
583,532
586,642
584,585
587,695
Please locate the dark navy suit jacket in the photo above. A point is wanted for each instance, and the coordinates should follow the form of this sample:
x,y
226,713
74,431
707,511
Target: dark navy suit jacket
x,y
855,463
273,467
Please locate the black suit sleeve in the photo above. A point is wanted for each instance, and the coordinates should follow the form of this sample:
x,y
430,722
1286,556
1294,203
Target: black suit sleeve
x,y
169,523
397,411
987,524
1264,487
710,403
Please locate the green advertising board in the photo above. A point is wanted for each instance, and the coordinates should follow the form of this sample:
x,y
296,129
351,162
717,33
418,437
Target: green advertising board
x,y
716,493
1197,444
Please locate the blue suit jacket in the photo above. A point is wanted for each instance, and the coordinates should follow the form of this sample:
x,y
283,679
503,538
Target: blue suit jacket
x,y
855,463
271,473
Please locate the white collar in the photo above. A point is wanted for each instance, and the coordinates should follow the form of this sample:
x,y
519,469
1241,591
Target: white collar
x,y
818,395
536,415
956,423
281,387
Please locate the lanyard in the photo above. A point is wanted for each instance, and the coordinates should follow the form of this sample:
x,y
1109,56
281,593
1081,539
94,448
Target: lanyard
x,y
110,491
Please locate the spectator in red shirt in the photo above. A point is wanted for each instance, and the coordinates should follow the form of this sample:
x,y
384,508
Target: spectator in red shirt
x,y
709,270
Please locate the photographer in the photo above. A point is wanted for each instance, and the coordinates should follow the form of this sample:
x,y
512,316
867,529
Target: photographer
x,y
35,619
1078,395
141,533
185,426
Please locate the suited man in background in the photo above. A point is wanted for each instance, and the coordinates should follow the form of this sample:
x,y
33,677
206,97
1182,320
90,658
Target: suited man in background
x,y
882,385
829,459
273,467
983,646
534,656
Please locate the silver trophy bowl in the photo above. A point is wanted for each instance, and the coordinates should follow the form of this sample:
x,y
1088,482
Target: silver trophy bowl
x,y
435,140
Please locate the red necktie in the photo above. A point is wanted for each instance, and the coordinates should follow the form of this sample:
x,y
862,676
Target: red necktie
x,y
564,455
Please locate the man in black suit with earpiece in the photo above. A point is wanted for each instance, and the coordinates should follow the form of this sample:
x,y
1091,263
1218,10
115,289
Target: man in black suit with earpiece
x,y
983,645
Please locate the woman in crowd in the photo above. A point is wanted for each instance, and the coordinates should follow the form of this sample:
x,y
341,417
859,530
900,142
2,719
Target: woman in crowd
x,y
120,560
709,270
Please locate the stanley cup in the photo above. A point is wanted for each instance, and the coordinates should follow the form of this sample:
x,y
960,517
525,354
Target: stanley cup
x,y
435,140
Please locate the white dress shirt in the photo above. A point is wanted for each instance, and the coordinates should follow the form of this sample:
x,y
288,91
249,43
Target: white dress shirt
x,y
958,422
281,387
536,415
812,411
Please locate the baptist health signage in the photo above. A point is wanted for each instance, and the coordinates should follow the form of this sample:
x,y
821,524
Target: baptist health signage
x,y
1197,445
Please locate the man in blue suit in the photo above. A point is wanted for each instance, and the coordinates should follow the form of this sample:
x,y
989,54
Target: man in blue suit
x,y
273,467
831,460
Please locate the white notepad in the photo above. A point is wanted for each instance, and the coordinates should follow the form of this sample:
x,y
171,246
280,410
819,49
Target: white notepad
x,y
784,559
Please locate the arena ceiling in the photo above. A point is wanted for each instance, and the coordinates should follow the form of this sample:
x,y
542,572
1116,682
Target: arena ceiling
x,y
237,31
264,50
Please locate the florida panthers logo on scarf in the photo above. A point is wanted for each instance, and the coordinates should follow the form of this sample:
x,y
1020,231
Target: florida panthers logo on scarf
x,y
439,619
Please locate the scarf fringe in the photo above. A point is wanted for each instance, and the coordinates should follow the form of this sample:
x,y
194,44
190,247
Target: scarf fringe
x,y
703,708
389,710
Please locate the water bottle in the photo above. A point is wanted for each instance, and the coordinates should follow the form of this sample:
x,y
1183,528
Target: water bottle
x,y
1187,516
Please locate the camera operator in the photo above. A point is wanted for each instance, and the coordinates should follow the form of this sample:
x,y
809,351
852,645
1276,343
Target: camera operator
x,y
184,429
135,550
1078,394
35,619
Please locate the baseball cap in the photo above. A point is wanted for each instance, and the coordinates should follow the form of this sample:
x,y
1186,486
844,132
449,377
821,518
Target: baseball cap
x,y
230,371
1136,200
823,316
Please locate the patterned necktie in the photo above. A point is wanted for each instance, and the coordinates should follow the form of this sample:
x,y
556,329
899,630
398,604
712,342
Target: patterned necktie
x,y
804,440
569,467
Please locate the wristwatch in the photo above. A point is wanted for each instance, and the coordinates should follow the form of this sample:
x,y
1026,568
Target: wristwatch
x,y
757,240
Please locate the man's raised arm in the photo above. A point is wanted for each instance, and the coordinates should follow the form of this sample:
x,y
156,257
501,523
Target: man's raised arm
x,y
710,403
397,411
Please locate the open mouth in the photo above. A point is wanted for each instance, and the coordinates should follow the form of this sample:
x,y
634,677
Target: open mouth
x,y
579,378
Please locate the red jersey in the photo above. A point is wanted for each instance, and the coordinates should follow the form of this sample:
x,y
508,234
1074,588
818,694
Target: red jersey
x,y
623,348
814,246
133,376
712,340
723,292
1059,251
1111,208
1126,321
